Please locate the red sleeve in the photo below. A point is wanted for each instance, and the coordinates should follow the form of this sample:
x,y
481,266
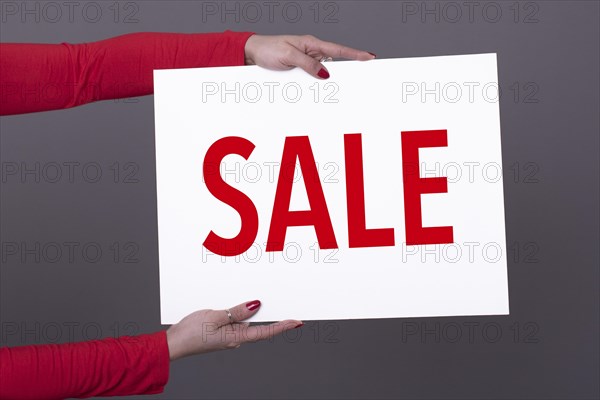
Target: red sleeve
x,y
40,77
110,367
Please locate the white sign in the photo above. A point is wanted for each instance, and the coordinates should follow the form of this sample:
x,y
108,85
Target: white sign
x,y
374,194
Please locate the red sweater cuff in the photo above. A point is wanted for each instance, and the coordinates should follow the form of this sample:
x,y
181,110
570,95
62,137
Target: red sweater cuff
x,y
157,344
238,42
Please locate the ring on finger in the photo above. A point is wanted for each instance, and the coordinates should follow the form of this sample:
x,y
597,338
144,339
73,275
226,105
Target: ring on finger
x,y
229,316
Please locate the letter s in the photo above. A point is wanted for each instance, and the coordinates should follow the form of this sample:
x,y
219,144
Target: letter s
x,y
230,196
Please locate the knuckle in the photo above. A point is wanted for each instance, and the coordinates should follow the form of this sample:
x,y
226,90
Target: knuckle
x,y
232,345
315,65
213,315
238,314
288,53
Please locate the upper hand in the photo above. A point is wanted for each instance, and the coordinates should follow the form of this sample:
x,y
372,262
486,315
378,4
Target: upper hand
x,y
287,51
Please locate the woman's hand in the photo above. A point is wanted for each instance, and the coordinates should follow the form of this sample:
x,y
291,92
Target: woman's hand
x,y
286,52
210,330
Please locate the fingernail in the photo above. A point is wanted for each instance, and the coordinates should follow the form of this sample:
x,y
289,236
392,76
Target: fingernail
x,y
253,305
374,55
323,73
299,325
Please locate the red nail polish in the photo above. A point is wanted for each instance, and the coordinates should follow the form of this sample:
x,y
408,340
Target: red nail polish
x,y
374,55
323,73
299,325
253,305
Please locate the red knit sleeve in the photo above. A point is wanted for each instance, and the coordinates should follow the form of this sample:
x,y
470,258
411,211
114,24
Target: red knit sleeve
x,y
110,367
40,77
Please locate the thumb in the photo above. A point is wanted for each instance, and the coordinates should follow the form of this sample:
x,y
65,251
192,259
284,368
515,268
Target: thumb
x,y
308,64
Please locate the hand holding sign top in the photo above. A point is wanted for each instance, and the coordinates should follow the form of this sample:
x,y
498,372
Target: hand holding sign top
x,y
286,51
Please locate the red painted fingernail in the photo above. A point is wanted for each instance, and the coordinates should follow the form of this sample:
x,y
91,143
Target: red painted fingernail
x,y
323,73
253,305
299,325
373,54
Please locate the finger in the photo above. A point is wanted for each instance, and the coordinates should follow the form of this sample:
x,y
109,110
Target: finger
x,y
296,58
335,50
232,335
238,313
261,332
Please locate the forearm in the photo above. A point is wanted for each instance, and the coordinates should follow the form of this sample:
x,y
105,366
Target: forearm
x,y
109,367
40,77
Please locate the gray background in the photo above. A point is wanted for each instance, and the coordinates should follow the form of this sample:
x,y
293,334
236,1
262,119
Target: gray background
x,y
546,348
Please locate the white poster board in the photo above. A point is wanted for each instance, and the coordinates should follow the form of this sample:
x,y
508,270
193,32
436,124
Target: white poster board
x,y
452,101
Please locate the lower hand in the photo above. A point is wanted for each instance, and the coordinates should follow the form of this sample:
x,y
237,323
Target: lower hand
x,y
211,330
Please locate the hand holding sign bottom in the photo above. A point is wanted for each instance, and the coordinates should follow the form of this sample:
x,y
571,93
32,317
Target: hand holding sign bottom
x,y
211,330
